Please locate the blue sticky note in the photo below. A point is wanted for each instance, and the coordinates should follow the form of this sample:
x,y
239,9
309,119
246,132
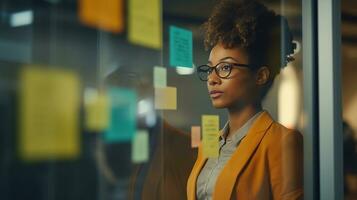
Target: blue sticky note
x,y
122,125
180,47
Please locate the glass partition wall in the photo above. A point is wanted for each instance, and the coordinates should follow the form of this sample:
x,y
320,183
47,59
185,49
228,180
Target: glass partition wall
x,y
348,93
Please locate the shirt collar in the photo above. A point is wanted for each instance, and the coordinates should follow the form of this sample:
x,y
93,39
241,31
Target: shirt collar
x,y
241,132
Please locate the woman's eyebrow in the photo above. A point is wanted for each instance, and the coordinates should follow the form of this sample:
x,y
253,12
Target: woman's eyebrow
x,y
228,57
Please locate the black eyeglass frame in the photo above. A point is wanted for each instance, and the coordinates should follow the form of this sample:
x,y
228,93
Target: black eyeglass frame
x,y
210,69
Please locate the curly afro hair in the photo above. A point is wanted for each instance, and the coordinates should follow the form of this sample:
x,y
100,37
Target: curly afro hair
x,y
263,34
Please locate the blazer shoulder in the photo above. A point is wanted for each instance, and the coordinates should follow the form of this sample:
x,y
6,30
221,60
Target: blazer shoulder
x,y
278,132
283,148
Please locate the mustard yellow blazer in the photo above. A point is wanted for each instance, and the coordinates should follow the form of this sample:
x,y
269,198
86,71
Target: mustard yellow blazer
x,y
267,164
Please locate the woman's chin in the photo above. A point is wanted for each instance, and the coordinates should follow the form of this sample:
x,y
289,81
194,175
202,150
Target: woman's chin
x,y
218,104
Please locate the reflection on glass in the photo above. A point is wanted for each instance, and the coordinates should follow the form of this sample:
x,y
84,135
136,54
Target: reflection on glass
x,y
147,153
349,96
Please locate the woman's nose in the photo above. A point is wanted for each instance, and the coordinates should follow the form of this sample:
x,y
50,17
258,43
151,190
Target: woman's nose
x,y
213,78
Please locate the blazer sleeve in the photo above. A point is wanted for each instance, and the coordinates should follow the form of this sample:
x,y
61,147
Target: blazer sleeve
x,y
285,159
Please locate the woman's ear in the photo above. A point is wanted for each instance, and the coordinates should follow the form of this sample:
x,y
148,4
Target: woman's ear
x,y
262,76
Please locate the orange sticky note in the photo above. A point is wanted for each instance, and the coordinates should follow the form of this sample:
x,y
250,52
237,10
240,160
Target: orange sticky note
x,y
49,114
166,98
195,136
210,135
104,14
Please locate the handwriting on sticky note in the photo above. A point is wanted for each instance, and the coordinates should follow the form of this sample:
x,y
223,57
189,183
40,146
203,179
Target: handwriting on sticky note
x,y
210,135
145,23
180,47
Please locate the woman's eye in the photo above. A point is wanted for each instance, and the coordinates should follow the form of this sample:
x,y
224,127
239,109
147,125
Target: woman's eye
x,y
226,67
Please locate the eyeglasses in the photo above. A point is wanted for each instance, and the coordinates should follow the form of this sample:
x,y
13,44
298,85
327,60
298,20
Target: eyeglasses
x,y
222,69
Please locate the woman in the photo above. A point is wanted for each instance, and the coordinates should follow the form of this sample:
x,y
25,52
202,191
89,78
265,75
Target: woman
x,y
258,157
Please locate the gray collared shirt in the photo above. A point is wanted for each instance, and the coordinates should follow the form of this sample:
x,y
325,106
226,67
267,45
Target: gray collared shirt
x,y
206,180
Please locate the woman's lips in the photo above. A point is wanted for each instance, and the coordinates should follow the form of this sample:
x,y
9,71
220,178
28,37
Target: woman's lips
x,y
215,94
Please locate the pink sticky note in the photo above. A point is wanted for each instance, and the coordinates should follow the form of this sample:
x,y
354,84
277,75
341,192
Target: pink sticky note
x,y
195,136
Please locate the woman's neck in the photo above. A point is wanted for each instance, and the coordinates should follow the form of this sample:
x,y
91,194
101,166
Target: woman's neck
x,y
238,117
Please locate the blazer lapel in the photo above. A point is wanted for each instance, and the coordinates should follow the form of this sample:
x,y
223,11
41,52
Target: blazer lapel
x,y
191,186
227,178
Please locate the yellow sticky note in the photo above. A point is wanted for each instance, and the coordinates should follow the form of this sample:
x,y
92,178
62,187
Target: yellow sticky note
x,y
166,98
210,135
49,113
145,23
159,77
103,14
195,136
97,112
140,147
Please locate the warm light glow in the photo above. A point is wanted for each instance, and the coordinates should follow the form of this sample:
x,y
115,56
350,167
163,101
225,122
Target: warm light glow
x,y
146,109
143,107
289,98
350,113
298,47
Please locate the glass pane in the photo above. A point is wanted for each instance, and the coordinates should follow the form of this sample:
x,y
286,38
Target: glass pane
x,y
101,100
76,101
283,101
349,102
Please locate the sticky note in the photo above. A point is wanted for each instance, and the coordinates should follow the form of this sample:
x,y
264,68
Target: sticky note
x,y
145,23
166,98
180,47
160,77
140,147
210,135
122,125
104,14
195,136
96,110
49,114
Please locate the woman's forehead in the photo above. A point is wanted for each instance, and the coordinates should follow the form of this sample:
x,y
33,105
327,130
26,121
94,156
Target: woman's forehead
x,y
219,52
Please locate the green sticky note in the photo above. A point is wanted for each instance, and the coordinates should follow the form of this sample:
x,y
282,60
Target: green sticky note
x,y
180,47
140,147
122,125
159,77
